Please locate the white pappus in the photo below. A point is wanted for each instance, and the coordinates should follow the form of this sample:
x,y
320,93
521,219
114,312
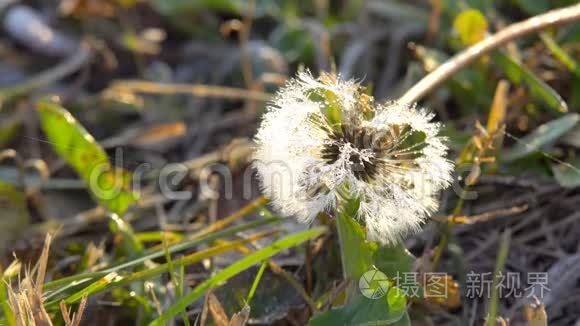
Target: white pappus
x,y
323,141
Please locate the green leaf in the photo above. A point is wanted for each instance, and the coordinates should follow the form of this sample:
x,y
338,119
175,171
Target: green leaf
x,y
393,260
330,104
411,139
567,175
471,26
172,7
234,269
542,136
235,7
390,309
357,253
360,256
520,75
108,184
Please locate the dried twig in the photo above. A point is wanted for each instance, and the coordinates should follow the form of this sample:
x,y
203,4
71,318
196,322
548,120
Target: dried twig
x,y
76,317
148,87
483,217
252,206
27,299
464,58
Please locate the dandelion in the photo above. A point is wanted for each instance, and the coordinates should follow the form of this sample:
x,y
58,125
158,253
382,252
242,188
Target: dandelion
x,y
323,141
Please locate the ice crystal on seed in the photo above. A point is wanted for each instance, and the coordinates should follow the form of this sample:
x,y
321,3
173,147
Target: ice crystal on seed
x,y
324,139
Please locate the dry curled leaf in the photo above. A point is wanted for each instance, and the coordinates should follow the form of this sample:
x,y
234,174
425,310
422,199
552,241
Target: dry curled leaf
x,y
241,318
535,313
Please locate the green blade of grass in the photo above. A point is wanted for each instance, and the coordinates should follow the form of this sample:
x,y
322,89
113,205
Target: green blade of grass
x,y
173,7
499,268
157,236
541,137
518,74
145,274
256,282
179,291
234,269
99,285
560,54
76,280
174,279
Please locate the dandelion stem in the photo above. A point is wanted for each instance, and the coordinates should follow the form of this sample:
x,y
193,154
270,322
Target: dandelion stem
x,y
466,57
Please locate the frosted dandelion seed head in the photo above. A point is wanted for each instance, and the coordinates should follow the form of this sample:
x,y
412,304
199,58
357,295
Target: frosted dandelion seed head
x,y
323,140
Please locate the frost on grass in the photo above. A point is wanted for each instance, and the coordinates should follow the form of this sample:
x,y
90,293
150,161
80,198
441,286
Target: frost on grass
x,y
323,141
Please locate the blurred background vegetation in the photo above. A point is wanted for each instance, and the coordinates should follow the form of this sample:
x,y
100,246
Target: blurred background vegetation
x,y
115,84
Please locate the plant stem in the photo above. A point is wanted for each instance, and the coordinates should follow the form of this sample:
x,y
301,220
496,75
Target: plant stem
x,y
464,58
447,230
256,282
499,268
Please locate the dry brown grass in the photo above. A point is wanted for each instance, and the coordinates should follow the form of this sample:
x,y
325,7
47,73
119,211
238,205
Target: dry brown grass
x,y
26,299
